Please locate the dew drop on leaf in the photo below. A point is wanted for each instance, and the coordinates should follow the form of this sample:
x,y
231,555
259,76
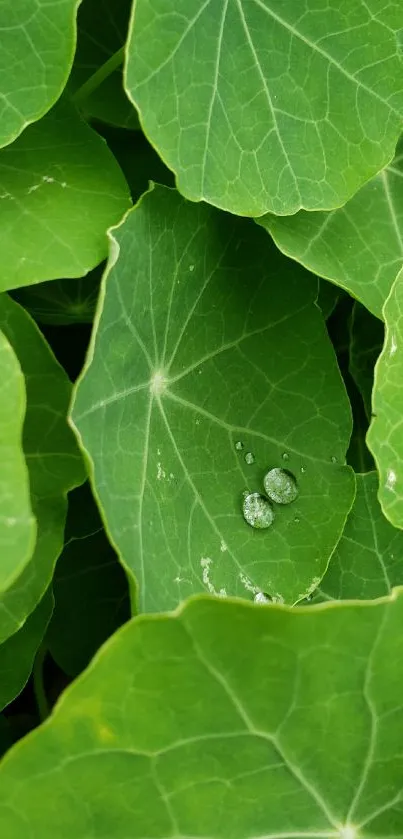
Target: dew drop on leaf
x,y
285,456
280,486
249,458
257,510
239,445
261,598
333,459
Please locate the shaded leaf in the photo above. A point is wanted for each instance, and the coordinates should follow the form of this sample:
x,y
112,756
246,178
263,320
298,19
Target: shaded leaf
x,y
37,48
53,460
367,335
60,189
259,106
89,586
359,246
62,302
216,723
198,347
328,298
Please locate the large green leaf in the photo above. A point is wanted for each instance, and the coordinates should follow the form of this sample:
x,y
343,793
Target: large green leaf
x,y
368,560
89,586
264,106
51,453
225,721
38,40
385,436
17,524
359,246
61,188
18,652
199,347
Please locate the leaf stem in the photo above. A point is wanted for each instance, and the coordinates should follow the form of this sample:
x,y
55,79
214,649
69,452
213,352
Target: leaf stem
x,y
39,687
99,76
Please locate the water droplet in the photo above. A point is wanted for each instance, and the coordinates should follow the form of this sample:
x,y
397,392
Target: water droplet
x,y
302,469
191,267
239,445
257,510
296,520
261,598
249,458
280,486
333,459
285,456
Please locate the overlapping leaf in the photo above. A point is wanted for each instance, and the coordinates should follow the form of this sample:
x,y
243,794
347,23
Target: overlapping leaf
x,y
265,106
226,721
52,457
367,335
208,338
60,189
359,246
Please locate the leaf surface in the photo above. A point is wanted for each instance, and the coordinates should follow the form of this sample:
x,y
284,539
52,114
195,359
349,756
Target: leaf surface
x,y
217,723
199,348
359,246
51,453
263,106
60,189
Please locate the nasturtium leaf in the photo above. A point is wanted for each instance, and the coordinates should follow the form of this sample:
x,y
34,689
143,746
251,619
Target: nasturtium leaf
x,y
368,561
62,302
210,364
367,334
101,33
225,721
18,652
264,106
38,40
17,523
359,246
328,298
89,586
60,189
54,462
385,436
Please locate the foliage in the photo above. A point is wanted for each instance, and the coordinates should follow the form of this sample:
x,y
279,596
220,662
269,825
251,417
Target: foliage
x,y
201,209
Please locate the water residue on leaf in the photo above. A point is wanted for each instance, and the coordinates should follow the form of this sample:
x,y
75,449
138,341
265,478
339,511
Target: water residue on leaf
x,y
261,598
249,458
280,486
333,459
285,456
206,563
239,445
391,479
257,510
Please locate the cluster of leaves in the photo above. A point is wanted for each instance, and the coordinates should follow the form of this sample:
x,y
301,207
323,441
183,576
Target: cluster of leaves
x,y
201,225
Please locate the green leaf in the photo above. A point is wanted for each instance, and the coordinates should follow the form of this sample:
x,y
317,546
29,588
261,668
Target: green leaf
x,y
61,302
367,335
359,246
385,436
328,298
61,188
102,31
226,721
38,40
260,107
368,560
198,346
89,586
17,524
18,652
54,462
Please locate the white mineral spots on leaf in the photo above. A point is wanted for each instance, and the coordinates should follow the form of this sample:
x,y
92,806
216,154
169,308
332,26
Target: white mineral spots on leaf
x,y
393,346
391,480
277,598
206,563
261,598
158,383
247,584
223,546
160,472
191,267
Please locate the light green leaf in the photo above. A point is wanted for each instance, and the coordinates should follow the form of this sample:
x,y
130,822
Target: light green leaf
x,y
18,652
367,335
225,721
359,246
368,560
52,457
89,586
261,106
38,40
385,436
17,524
60,189
198,347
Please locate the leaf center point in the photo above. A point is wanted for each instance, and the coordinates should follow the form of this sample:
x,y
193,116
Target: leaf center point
x,y
348,831
159,384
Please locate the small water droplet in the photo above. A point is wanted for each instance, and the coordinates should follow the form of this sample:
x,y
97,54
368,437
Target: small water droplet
x,y
333,459
296,520
302,469
239,445
257,510
249,458
191,267
285,456
260,597
280,486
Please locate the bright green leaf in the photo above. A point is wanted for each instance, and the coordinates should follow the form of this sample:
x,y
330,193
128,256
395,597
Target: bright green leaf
x,y
60,189
200,347
18,652
225,721
38,40
359,246
53,460
385,436
89,586
17,524
263,106
367,335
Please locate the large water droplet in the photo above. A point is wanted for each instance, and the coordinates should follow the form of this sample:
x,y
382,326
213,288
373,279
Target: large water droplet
x,y
257,510
280,486
249,458
239,445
